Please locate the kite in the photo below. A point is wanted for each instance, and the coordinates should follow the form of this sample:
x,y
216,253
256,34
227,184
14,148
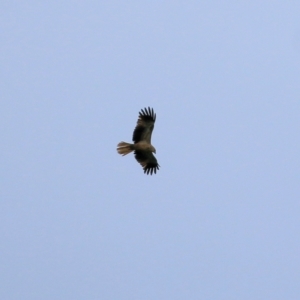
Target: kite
x,y
142,142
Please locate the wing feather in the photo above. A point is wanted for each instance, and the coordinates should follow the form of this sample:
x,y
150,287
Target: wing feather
x,y
147,161
144,126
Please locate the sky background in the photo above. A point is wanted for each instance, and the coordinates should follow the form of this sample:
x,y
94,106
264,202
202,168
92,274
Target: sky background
x,y
220,219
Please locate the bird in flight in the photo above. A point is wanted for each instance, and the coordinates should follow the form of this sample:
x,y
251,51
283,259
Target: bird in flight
x,y
143,150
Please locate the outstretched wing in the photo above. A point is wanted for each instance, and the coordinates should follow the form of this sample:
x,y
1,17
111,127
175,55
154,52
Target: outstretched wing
x,y
145,125
147,161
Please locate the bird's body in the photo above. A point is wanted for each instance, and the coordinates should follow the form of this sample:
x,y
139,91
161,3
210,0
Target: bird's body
x,y
142,142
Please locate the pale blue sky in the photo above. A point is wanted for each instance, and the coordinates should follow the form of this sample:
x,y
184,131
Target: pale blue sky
x,y
220,220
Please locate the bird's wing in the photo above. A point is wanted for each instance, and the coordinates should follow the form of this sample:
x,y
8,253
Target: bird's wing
x,y
147,161
144,126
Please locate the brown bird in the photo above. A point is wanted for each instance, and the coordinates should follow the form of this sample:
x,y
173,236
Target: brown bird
x,y
142,142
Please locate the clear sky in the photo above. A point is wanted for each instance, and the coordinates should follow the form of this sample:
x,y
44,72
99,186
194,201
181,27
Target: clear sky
x,y
220,220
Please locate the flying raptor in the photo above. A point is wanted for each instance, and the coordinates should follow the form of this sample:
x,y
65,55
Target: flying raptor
x,y
143,150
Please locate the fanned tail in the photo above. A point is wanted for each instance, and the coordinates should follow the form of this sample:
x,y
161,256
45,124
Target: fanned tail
x,y
124,148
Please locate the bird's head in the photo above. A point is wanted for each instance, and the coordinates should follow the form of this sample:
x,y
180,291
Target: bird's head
x,y
153,150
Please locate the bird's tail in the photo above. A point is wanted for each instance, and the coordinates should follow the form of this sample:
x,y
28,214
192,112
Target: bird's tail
x,y
124,148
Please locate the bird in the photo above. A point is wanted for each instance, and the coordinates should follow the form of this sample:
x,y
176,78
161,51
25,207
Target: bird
x,y
143,150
